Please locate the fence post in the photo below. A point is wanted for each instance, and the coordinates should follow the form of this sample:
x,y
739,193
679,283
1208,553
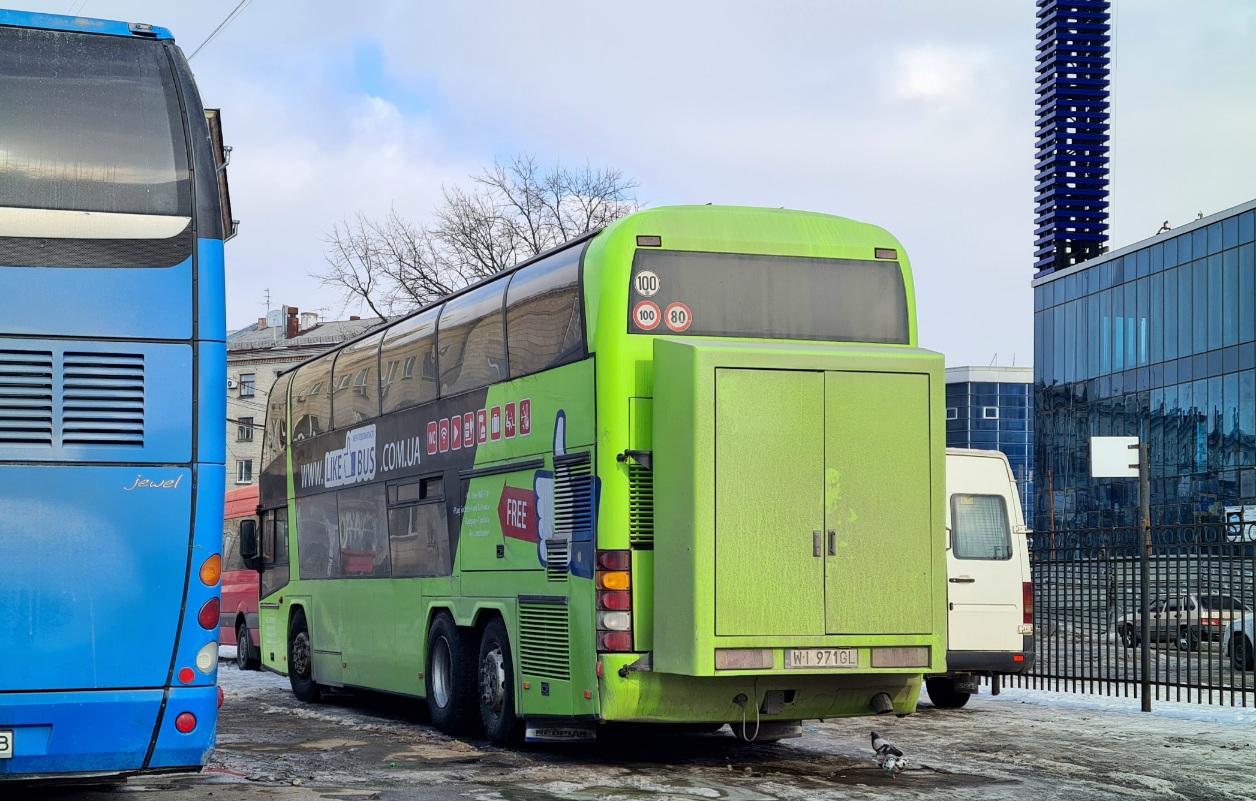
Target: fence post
x,y
1144,600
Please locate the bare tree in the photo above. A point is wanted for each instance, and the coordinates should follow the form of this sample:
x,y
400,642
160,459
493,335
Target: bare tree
x,y
511,212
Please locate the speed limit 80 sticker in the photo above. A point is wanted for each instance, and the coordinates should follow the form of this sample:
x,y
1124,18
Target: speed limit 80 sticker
x,y
678,317
646,315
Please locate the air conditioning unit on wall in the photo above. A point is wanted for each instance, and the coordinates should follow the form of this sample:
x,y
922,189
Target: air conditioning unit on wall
x,y
232,383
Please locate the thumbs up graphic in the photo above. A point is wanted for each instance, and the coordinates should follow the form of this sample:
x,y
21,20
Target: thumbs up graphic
x,y
543,486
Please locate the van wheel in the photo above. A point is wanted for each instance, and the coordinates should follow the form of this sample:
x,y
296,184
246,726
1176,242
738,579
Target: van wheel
x,y
943,694
246,657
1129,637
301,660
450,677
497,685
1241,653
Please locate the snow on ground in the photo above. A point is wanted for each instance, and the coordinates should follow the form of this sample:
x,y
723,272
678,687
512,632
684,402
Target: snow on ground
x,y
249,683
1204,713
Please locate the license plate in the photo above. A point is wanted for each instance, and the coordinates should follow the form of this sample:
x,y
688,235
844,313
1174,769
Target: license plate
x,y
6,744
822,658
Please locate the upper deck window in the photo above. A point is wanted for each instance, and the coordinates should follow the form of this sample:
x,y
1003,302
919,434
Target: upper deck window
x,y
767,297
90,123
544,319
469,335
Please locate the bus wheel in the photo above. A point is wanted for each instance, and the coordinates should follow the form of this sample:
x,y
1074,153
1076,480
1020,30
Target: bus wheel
x,y
301,660
497,685
450,677
943,694
246,659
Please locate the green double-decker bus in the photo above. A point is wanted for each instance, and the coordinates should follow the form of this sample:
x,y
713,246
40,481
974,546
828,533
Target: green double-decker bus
x,y
685,470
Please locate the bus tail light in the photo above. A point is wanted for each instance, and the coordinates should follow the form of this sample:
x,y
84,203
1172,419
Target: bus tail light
x,y
186,676
211,570
207,658
185,722
209,617
614,600
1027,594
614,641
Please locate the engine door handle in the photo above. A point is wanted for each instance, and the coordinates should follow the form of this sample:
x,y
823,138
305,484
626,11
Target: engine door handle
x,y
832,542
817,547
962,580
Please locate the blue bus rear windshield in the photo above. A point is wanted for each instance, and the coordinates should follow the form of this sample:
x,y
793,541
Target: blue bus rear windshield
x,y
90,123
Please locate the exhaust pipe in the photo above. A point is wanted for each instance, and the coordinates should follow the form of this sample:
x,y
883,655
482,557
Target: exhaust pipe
x,y
882,704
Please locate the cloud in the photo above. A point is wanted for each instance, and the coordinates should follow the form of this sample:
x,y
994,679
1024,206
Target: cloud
x,y
937,73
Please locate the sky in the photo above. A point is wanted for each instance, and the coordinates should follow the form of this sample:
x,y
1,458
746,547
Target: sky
x,y
916,115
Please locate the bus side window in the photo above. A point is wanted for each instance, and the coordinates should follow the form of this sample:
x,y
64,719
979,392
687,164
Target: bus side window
x,y
274,548
318,536
268,539
311,399
353,376
544,314
470,337
363,532
418,528
407,362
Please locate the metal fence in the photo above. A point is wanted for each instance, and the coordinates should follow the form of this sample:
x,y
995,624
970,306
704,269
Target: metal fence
x,y
1087,603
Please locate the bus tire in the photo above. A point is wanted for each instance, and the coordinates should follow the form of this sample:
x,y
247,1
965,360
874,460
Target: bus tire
x,y
301,660
943,694
497,685
450,676
246,657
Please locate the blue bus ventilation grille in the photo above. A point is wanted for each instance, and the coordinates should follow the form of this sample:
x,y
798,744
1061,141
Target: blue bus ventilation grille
x,y
95,399
103,399
1071,192
26,394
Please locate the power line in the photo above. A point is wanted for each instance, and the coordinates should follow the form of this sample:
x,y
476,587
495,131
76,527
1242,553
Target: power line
x,y
235,12
72,12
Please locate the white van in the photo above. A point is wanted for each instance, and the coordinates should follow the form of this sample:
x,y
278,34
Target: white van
x,y
990,595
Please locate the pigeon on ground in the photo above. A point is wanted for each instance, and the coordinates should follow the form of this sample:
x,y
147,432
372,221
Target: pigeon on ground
x,y
889,757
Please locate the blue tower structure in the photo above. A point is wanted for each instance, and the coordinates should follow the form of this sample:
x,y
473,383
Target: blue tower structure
x,y
1071,194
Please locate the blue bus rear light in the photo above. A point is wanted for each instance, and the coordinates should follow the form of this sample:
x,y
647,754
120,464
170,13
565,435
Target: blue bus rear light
x,y
208,617
207,658
142,29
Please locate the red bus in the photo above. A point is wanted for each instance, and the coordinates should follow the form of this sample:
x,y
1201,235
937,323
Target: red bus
x,y
239,583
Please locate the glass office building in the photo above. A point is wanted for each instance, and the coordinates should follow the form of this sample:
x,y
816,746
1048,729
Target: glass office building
x,y
1155,340
991,408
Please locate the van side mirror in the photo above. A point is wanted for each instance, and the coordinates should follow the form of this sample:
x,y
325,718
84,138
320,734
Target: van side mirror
x,y
248,544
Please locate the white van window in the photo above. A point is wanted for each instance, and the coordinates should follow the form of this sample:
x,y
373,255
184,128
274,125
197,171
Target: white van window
x,y
979,527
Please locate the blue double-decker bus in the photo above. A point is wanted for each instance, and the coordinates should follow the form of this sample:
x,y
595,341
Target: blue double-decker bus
x,y
112,402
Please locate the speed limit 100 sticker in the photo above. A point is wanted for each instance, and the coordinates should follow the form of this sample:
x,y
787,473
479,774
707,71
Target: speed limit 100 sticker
x,y
646,283
646,315
678,317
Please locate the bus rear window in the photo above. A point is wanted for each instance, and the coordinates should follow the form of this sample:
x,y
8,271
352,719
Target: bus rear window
x,y
767,297
89,123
